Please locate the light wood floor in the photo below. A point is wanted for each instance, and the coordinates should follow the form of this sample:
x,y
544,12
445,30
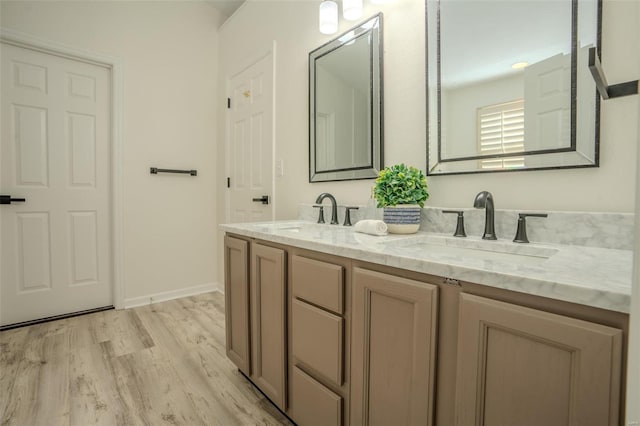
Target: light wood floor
x,y
162,364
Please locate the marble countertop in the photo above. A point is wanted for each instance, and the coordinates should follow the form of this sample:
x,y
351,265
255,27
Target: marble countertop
x,y
589,276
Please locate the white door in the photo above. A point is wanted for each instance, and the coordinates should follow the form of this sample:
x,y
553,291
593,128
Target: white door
x,y
250,143
55,251
547,104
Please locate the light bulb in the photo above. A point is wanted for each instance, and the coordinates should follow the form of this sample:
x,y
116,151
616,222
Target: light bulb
x,y
328,17
351,9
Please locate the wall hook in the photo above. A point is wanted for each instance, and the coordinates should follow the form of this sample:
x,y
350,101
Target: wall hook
x,y
606,91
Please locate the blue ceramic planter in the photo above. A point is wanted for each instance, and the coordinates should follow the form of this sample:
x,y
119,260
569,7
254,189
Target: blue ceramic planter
x,y
402,219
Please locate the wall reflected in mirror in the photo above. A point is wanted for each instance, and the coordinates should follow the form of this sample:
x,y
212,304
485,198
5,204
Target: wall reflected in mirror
x,y
508,86
345,105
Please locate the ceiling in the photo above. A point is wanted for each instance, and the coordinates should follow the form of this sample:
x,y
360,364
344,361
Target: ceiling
x,y
226,7
480,40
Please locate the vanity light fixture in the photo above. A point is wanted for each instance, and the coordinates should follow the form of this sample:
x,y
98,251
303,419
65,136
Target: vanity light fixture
x,y
520,65
328,17
351,9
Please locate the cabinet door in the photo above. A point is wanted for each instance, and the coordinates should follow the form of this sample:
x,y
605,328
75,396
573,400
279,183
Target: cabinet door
x,y
521,366
236,286
393,347
269,354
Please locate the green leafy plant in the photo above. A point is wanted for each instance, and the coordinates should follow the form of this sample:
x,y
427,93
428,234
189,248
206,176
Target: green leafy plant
x,y
400,184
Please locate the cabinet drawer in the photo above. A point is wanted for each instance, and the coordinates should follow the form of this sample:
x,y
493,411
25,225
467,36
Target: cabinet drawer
x,y
317,340
317,282
312,403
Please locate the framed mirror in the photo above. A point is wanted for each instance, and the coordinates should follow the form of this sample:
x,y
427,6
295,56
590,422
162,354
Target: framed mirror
x,y
508,85
345,105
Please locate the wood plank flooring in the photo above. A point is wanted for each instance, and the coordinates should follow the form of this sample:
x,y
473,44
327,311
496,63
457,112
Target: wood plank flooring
x,y
162,364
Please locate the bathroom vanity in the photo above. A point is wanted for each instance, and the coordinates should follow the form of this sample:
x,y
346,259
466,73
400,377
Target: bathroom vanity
x,y
341,328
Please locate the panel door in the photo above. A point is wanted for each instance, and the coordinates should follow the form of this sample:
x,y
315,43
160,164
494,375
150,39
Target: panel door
x,y
520,366
250,142
547,106
236,287
392,349
269,355
55,153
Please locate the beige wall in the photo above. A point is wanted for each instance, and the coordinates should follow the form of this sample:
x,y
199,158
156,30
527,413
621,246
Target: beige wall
x,y
293,26
168,52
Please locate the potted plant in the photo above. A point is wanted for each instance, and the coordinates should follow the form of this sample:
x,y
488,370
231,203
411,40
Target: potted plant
x,y
401,191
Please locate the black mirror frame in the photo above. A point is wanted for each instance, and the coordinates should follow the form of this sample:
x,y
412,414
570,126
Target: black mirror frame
x,y
376,105
432,166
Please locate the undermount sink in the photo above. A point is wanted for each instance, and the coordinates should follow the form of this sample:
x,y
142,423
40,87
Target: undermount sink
x,y
294,226
477,249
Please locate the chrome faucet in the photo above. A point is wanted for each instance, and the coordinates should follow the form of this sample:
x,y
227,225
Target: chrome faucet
x,y
334,206
484,200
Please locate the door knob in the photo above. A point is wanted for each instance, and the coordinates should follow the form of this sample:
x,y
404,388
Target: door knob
x,y
264,199
6,199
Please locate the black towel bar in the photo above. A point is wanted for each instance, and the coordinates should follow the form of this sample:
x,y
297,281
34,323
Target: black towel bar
x,y
605,90
155,171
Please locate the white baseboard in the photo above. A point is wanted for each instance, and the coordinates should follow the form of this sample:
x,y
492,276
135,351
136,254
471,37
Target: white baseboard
x,y
170,295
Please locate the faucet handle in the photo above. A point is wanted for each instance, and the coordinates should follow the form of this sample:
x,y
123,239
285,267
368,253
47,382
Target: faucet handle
x,y
460,223
521,232
321,212
347,215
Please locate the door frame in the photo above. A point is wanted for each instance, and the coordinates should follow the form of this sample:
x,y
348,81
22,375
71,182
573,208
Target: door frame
x,y
244,65
115,67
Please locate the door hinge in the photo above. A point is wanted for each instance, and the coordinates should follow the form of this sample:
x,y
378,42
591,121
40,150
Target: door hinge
x,y
228,182
228,103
